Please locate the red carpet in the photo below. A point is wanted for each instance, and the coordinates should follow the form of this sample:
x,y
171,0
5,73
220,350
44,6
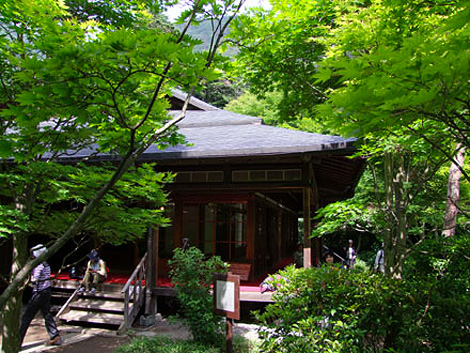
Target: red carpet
x,y
253,286
117,279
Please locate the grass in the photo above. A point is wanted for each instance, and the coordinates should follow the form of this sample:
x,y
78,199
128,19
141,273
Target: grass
x,y
163,344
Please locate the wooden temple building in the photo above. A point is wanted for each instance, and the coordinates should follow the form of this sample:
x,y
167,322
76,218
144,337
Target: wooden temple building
x,y
243,187
245,191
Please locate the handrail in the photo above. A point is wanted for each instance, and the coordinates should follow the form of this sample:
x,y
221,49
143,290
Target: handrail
x,y
134,274
134,290
67,303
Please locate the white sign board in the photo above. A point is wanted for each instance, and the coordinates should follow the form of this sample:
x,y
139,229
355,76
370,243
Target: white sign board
x,y
225,296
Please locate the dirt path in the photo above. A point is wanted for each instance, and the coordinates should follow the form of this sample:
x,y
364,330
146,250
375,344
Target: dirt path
x,y
101,344
88,340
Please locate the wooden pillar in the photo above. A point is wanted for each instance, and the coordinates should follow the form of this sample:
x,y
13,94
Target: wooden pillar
x,y
315,203
318,251
250,229
156,241
307,229
151,274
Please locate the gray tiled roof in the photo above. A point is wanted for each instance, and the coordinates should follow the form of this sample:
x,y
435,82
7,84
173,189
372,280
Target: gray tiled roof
x,y
213,133
195,118
193,100
220,133
225,134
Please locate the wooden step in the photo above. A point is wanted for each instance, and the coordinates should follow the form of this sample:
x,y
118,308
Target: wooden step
x,y
78,316
64,285
61,295
96,305
102,295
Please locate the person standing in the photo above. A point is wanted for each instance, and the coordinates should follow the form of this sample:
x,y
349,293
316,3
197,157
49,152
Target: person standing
x,y
351,255
380,260
41,299
94,274
299,256
329,257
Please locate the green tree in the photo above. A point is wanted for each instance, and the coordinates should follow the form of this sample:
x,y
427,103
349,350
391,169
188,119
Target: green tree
x,y
400,76
279,50
393,71
263,107
266,106
219,93
73,88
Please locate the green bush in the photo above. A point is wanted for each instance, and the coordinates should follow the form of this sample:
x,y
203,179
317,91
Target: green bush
x,y
329,309
192,276
439,270
334,310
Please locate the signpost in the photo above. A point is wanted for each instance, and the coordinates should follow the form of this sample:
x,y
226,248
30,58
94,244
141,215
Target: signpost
x,y
227,301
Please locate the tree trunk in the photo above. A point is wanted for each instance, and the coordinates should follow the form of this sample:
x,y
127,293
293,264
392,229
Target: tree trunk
x,y
389,247
400,215
12,311
396,234
453,192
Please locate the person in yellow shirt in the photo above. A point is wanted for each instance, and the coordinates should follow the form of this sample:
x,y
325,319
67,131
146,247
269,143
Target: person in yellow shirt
x,y
95,273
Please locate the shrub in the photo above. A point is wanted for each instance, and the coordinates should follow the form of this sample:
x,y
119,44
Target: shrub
x,y
329,309
334,310
439,270
192,276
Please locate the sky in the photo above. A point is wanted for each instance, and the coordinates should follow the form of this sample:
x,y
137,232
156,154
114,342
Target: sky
x,y
175,10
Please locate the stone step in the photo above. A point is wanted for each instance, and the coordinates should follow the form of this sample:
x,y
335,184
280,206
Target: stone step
x,y
91,318
96,305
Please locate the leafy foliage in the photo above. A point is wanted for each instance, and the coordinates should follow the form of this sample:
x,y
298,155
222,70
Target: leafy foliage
x,y
439,267
279,51
87,81
63,190
192,276
250,104
266,106
219,93
329,309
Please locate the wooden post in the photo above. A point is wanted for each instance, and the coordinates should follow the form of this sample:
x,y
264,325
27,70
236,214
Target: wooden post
x,y
229,339
157,258
318,251
227,302
307,229
150,273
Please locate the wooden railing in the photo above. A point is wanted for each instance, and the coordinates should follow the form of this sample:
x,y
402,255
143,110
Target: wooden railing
x,y
67,303
134,294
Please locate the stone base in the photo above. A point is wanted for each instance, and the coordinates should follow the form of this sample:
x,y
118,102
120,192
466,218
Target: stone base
x,y
148,320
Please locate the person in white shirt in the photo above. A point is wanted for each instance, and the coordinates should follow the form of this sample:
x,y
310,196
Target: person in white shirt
x,y
95,273
41,299
351,255
380,260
